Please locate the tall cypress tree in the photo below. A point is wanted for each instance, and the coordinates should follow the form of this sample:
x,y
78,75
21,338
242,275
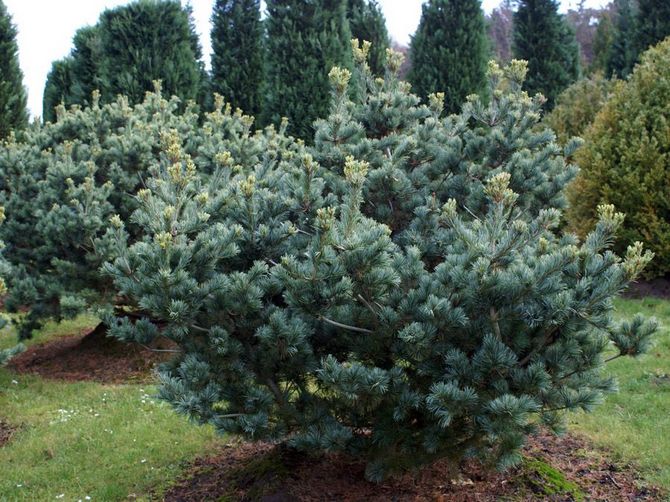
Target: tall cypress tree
x,y
86,57
13,113
449,51
125,52
653,23
367,22
305,39
73,79
622,54
147,41
237,53
57,88
544,39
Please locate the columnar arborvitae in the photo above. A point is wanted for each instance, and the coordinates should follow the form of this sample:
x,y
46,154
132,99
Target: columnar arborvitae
x,y
543,38
449,51
402,292
129,49
237,53
305,38
623,52
652,23
367,22
13,112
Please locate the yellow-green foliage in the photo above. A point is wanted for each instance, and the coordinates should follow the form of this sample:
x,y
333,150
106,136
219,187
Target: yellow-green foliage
x,y
626,159
577,107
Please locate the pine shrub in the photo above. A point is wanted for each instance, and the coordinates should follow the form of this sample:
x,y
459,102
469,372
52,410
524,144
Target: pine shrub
x,y
5,270
625,160
401,291
62,182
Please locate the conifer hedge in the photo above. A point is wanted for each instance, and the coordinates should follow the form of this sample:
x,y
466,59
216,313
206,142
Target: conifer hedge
x,y
401,291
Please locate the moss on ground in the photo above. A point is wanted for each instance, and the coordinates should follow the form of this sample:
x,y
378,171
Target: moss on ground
x,y
545,480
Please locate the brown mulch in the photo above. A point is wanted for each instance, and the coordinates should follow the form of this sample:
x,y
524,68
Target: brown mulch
x,y
658,288
6,433
269,473
90,356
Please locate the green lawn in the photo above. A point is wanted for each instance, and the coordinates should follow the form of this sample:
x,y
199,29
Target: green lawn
x,y
114,442
635,422
78,440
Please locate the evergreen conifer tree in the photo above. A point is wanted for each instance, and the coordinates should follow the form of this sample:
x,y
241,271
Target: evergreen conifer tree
x,y
577,107
367,22
602,43
13,112
147,41
624,160
125,53
652,23
237,53
449,51
73,79
87,56
543,38
404,292
305,39
623,54
57,88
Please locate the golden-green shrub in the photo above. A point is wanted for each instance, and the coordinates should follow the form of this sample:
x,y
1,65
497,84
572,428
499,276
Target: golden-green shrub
x,y
577,107
625,160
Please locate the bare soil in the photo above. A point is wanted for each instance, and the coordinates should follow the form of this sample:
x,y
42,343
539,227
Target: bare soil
x,y
563,468
6,433
90,356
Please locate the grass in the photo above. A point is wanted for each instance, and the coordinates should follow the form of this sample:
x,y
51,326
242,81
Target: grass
x,y
635,422
78,440
114,442
50,331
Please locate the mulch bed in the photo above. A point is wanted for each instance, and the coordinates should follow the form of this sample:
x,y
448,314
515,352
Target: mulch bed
x,y
89,356
269,473
6,433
